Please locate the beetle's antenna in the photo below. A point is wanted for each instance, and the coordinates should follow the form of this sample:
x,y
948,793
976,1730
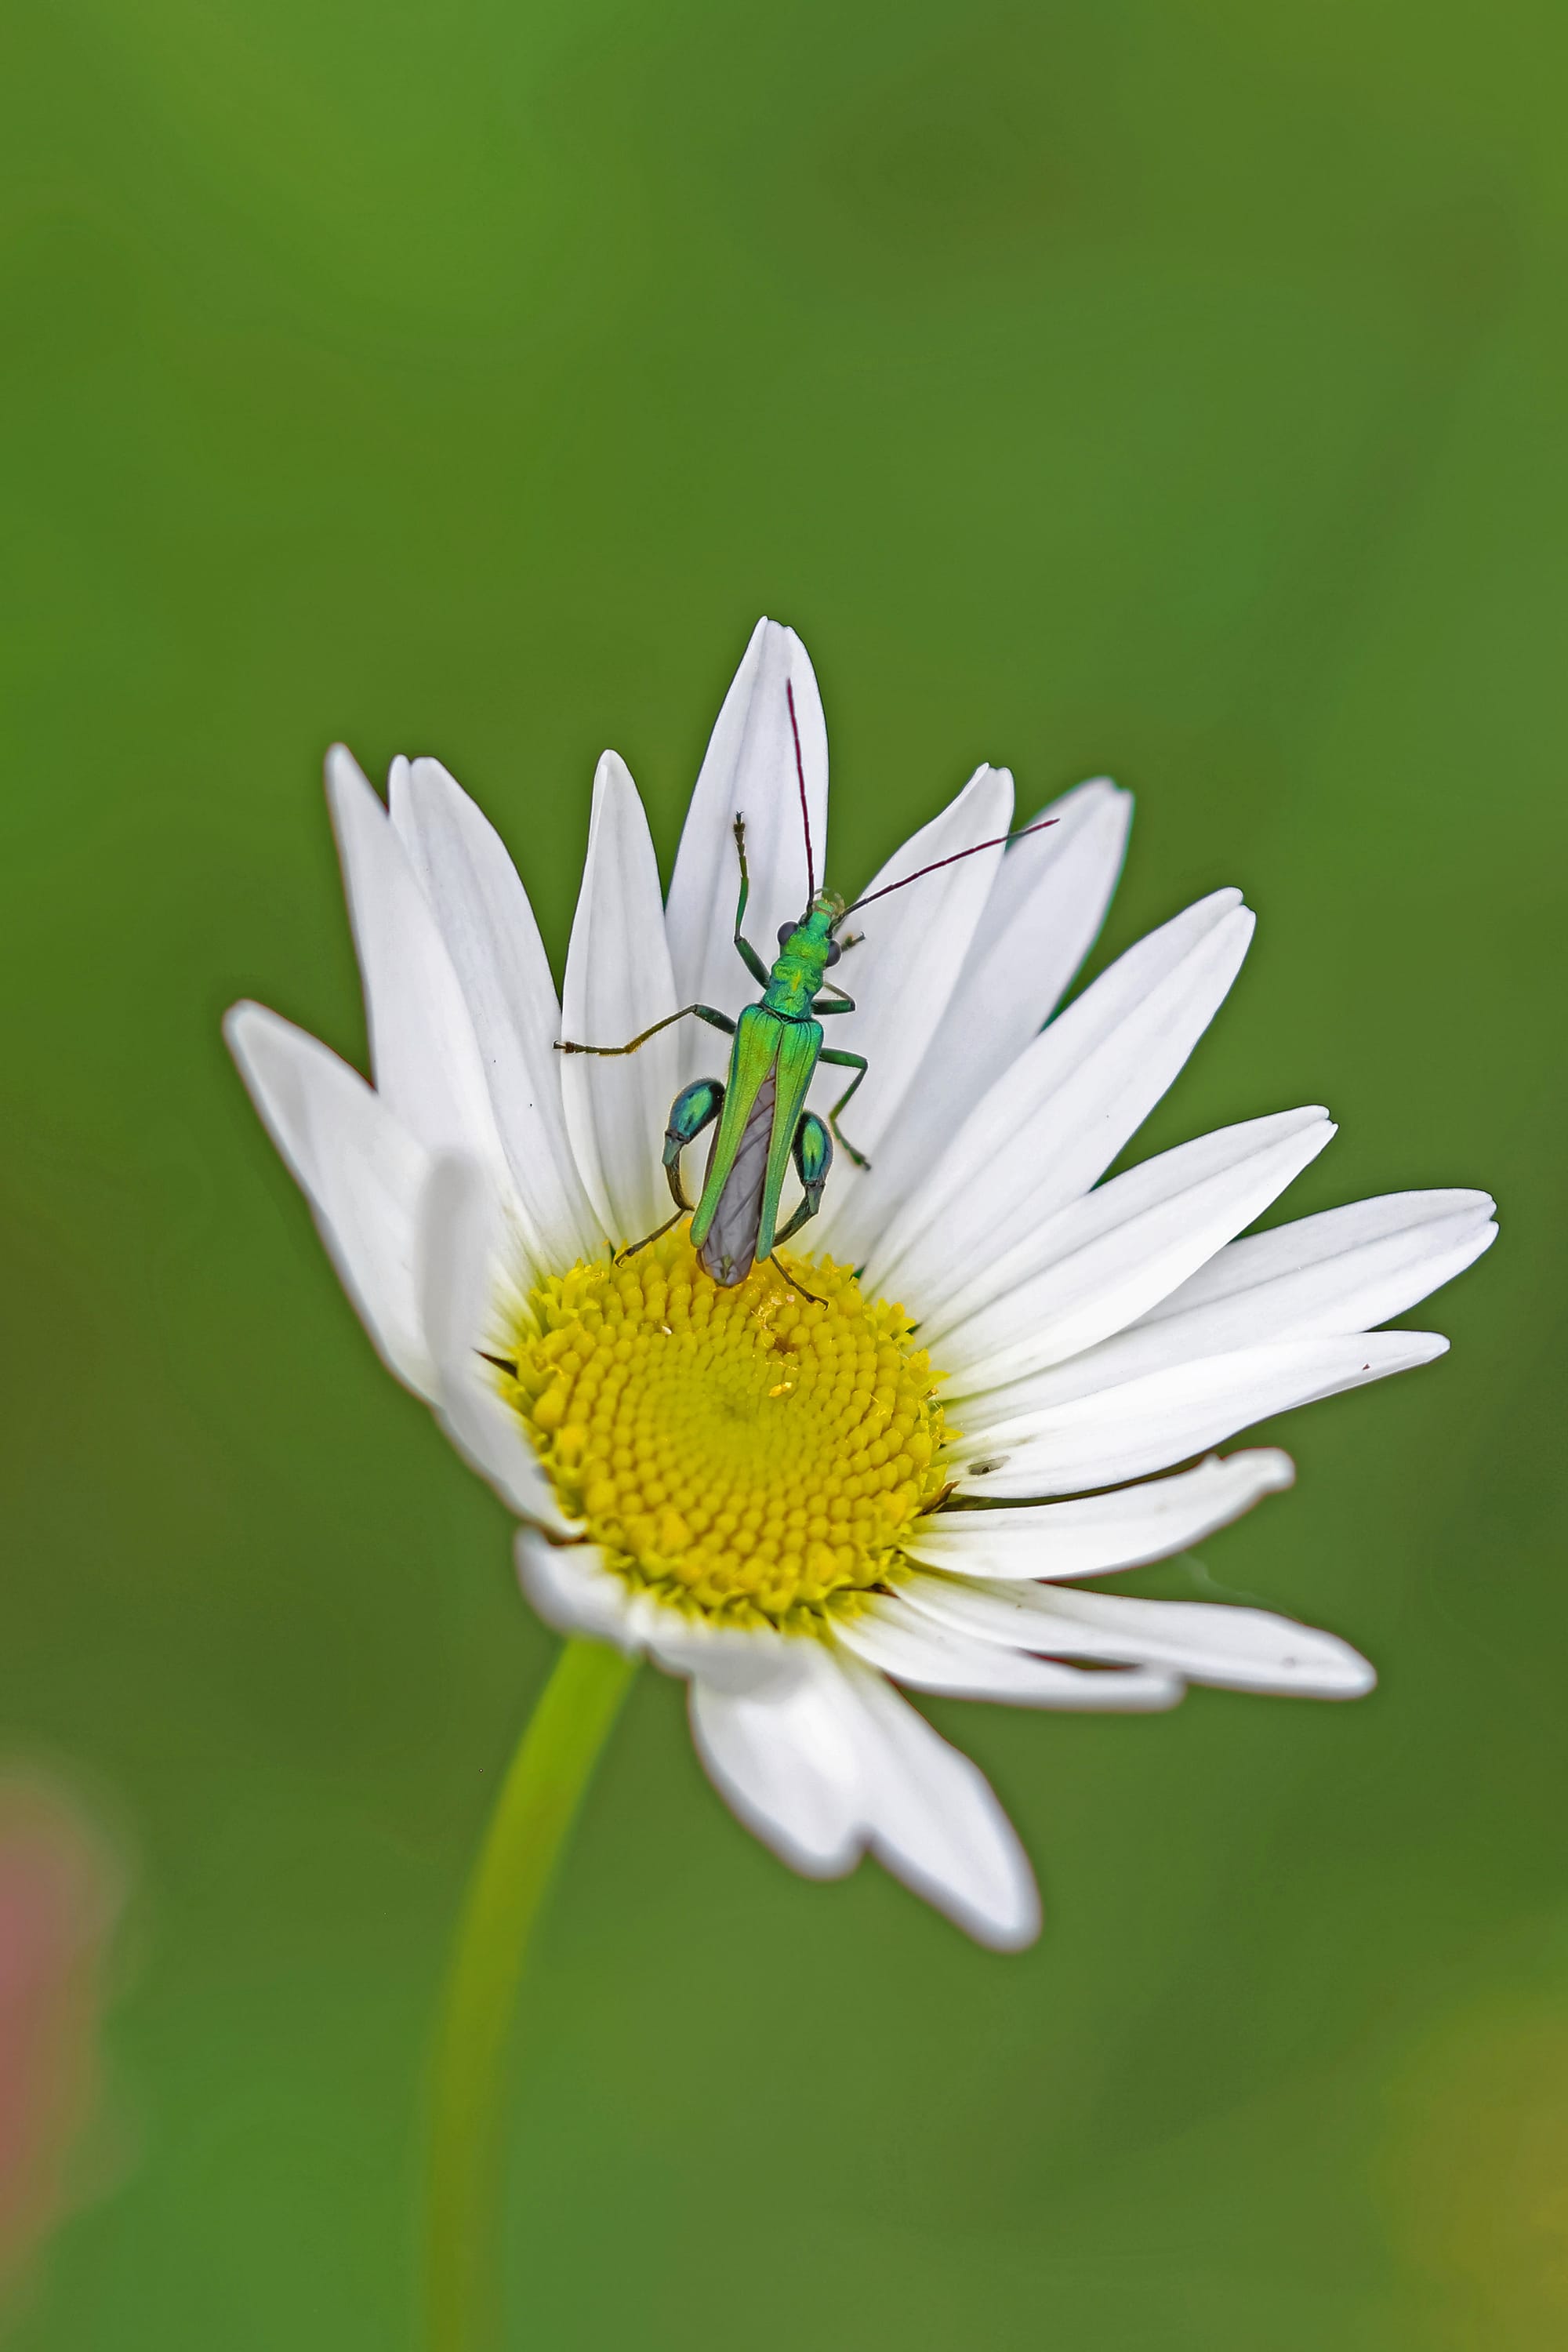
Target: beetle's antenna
x,y
804,811
1022,835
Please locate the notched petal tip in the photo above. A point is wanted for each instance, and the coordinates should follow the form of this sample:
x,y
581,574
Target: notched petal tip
x,y
1270,1465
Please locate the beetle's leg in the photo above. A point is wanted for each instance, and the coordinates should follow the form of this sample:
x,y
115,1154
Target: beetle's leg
x,y
813,1154
745,877
695,1107
846,1002
796,1283
715,1020
744,948
657,1235
752,961
858,1063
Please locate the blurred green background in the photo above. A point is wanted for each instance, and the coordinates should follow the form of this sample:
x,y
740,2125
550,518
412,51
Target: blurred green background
x,y
1175,392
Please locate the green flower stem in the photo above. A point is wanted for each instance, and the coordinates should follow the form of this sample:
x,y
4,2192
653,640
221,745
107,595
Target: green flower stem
x,y
537,1804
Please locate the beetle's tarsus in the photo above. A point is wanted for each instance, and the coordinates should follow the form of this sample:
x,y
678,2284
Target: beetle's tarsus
x,y
796,1284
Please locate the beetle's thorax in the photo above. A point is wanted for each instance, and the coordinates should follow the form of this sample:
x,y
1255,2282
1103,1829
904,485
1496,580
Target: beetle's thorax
x,y
801,963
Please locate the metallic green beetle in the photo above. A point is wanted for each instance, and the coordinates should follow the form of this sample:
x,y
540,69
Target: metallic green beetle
x,y
760,1108
763,1121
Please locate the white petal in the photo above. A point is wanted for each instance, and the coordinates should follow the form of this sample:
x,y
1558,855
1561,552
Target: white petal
x,y
1346,1270
750,772
820,1759
573,1590
934,1822
1149,1424
733,1658
618,982
1043,915
487,926
912,948
1052,1124
362,1173
461,1265
1202,1641
1320,1279
1098,1263
423,1055
1097,1534
1062,883
787,1762
896,1639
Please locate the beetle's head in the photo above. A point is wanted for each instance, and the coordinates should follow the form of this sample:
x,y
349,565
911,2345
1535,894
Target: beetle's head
x,y
813,934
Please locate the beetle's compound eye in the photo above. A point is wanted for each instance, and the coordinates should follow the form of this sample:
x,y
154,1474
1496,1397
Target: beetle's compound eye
x,y
834,952
787,933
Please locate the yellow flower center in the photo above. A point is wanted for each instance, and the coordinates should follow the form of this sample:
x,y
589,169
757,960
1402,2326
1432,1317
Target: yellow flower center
x,y
751,1451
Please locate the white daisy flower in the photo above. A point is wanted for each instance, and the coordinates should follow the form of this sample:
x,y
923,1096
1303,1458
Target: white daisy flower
x,y
800,1496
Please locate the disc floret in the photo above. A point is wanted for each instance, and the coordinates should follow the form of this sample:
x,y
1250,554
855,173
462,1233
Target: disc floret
x,y
753,1454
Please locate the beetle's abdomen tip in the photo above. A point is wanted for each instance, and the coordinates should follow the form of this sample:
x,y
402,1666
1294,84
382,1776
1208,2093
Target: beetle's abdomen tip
x,y
729,1273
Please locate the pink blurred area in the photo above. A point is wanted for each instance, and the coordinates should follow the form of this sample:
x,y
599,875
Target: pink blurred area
x,y
62,1886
